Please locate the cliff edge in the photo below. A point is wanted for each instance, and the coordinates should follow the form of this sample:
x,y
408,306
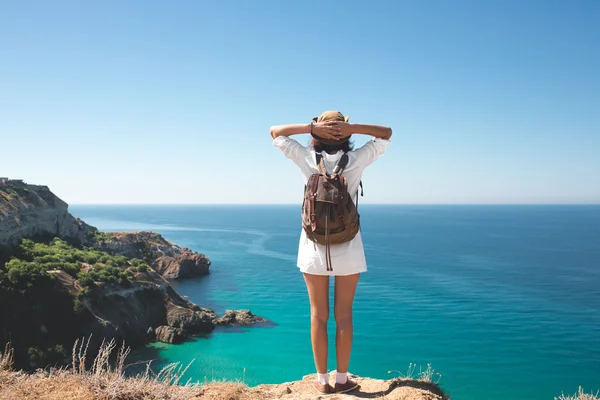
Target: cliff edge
x,y
61,385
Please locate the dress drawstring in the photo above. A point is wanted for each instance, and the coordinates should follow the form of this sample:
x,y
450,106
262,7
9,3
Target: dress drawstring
x,y
327,246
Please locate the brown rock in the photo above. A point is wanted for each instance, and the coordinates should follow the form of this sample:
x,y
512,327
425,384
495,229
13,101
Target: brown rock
x,y
185,265
240,317
192,321
168,334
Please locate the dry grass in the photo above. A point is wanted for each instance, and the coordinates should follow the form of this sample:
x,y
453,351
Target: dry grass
x,y
7,358
581,395
428,375
103,380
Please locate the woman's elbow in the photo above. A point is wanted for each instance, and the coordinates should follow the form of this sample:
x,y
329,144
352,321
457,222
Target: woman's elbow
x,y
274,132
388,133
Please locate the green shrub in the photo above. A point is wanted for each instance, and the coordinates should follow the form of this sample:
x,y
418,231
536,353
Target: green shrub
x,y
23,274
95,234
143,268
78,306
85,279
48,356
135,262
35,259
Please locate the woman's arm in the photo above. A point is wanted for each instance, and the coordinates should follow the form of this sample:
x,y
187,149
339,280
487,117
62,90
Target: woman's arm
x,y
382,132
320,129
288,130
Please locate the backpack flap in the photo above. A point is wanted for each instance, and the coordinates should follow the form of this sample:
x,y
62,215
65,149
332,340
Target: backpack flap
x,y
328,190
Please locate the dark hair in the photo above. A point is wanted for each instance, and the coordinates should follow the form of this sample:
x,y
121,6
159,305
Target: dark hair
x,y
331,148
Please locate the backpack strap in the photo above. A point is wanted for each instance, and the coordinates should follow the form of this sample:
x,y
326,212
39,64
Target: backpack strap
x,y
362,193
320,164
341,165
340,204
313,181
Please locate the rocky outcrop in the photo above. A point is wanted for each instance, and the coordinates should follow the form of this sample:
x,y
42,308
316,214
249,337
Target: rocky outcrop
x,y
186,264
239,317
188,316
393,389
165,257
168,334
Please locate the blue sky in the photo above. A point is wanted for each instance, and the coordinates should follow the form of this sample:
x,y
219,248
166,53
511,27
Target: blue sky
x,y
171,102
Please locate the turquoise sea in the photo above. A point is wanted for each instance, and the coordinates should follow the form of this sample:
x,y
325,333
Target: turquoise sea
x,y
504,301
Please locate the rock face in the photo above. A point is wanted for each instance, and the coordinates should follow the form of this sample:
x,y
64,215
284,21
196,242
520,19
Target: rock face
x,y
165,257
240,317
168,334
151,302
30,210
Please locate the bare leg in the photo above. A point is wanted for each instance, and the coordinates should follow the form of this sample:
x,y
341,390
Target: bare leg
x,y
318,293
345,287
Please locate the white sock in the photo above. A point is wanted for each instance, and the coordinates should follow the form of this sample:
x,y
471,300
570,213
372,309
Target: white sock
x,y
323,379
341,377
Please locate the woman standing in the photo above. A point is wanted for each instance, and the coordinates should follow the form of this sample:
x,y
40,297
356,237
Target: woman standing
x,y
331,139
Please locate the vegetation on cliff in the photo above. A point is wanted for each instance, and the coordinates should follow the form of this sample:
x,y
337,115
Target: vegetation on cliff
x,y
44,315
33,262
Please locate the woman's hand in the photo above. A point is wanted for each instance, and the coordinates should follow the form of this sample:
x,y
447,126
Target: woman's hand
x,y
327,130
345,129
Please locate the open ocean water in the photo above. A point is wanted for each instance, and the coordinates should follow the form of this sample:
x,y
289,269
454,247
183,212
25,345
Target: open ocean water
x,y
504,301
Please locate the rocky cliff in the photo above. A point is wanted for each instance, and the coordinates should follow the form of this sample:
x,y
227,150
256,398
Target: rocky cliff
x,y
31,210
28,211
108,285
135,312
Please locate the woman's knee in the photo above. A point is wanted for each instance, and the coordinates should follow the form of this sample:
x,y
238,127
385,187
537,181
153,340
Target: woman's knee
x,y
320,316
343,317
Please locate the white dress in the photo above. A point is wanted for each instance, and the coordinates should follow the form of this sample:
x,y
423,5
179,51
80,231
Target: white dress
x,y
346,258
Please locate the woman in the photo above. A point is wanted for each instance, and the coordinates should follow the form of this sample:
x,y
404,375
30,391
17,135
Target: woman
x,y
331,133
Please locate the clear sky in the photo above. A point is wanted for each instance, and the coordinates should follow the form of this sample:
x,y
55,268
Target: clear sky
x,y
171,102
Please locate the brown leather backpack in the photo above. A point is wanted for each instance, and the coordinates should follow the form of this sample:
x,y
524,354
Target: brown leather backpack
x,y
329,216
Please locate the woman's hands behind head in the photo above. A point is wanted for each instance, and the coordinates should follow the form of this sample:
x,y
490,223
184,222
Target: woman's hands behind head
x,y
327,130
344,128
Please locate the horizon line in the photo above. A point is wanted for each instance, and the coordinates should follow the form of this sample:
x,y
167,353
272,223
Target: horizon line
x,y
361,204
